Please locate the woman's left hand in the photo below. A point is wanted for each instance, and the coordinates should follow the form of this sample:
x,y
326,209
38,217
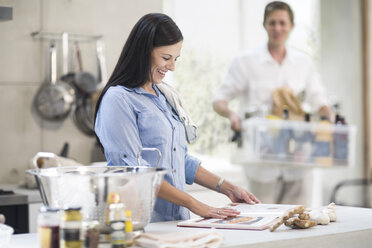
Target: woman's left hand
x,y
241,195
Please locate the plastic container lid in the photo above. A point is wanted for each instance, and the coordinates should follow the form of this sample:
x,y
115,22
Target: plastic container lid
x,y
5,234
44,209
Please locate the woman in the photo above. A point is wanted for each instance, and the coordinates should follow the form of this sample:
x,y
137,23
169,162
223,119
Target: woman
x,y
253,76
132,113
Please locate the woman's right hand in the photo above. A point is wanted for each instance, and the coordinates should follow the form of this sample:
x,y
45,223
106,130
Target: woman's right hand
x,y
206,211
235,121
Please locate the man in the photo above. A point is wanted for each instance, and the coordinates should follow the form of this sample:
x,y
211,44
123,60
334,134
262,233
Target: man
x,y
252,77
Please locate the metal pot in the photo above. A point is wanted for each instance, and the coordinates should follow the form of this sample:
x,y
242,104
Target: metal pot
x,y
89,187
54,99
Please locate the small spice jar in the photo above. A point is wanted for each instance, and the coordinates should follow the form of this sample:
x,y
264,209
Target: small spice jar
x,y
48,227
71,228
91,234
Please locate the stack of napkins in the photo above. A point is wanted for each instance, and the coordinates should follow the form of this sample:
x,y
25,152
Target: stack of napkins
x,y
210,239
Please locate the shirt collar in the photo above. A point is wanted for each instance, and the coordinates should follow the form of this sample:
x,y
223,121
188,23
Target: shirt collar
x,y
265,56
141,91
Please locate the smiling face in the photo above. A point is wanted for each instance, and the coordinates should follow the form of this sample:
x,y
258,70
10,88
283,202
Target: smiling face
x,y
163,59
278,25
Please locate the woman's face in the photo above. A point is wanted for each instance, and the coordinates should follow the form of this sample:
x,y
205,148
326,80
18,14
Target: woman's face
x,y
278,25
163,59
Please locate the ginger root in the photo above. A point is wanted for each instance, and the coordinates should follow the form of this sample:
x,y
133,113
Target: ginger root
x,y
300,217
298,223
290,213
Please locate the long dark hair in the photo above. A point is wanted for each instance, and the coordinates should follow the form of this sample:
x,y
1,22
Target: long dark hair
x,y
133,68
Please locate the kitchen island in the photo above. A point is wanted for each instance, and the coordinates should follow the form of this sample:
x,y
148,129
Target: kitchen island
x,y
352,229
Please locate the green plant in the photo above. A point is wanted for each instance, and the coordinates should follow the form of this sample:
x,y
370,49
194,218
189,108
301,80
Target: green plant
x,y
197,78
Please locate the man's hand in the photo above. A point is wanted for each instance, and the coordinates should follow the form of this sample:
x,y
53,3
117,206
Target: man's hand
x,y
235,122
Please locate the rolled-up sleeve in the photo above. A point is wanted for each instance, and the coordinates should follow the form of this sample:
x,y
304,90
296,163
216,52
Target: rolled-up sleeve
x,y
234,82
191,166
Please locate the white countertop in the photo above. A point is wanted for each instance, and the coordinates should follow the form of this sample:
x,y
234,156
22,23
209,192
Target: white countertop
x,y
352,229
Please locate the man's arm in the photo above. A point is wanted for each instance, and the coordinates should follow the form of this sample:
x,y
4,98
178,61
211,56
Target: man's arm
x,y
221,107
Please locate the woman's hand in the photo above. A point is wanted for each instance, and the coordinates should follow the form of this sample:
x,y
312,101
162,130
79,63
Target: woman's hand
x,y
238,194
169,193
206,211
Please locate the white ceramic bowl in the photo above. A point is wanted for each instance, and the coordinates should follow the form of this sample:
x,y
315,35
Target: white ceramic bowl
x,y
5,233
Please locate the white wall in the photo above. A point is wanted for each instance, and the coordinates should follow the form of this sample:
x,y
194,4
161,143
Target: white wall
x,y
341,69
22,70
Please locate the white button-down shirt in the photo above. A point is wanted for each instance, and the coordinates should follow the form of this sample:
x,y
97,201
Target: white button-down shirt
x,y
253,76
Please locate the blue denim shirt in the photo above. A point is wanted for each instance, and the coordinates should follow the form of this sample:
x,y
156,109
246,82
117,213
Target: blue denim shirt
x,y
129,119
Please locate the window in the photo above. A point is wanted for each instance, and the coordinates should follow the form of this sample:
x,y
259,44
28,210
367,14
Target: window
x,y
214,31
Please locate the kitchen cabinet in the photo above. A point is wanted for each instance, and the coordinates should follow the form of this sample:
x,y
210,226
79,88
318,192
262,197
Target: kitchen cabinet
x,y
33,211
21,208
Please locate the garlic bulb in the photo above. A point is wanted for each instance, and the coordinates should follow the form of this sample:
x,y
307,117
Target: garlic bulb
x,y
320,217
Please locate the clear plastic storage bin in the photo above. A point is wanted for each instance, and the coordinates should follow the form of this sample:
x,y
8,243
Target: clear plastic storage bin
x,y
282,142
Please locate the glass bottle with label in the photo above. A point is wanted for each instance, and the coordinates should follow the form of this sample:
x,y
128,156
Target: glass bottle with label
x,y
128,228
71,228
117,225
48,227
307,141
323,142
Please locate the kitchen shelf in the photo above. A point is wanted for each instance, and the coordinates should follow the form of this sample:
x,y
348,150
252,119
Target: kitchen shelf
x,y
44,35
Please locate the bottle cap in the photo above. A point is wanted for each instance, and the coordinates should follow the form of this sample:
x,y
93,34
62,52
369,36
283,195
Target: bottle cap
x,y
71,208
44,209
285,113
113,197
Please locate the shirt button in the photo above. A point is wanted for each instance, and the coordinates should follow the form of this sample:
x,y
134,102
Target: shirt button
x,y
174,149
125,156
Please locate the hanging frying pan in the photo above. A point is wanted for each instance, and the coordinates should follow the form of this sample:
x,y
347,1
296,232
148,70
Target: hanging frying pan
x,y
54,100
83,114
84,81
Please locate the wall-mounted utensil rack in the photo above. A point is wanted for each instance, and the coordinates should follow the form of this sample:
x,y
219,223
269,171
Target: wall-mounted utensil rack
x,y
44,35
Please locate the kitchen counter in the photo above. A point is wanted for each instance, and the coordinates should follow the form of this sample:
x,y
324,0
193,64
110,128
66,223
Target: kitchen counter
x,y
32,195
352,229
23,207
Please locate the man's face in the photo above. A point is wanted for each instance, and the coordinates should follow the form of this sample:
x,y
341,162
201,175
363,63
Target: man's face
x,y
278,25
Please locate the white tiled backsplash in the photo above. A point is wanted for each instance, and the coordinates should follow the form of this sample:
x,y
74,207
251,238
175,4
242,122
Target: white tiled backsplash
x,y
23,66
